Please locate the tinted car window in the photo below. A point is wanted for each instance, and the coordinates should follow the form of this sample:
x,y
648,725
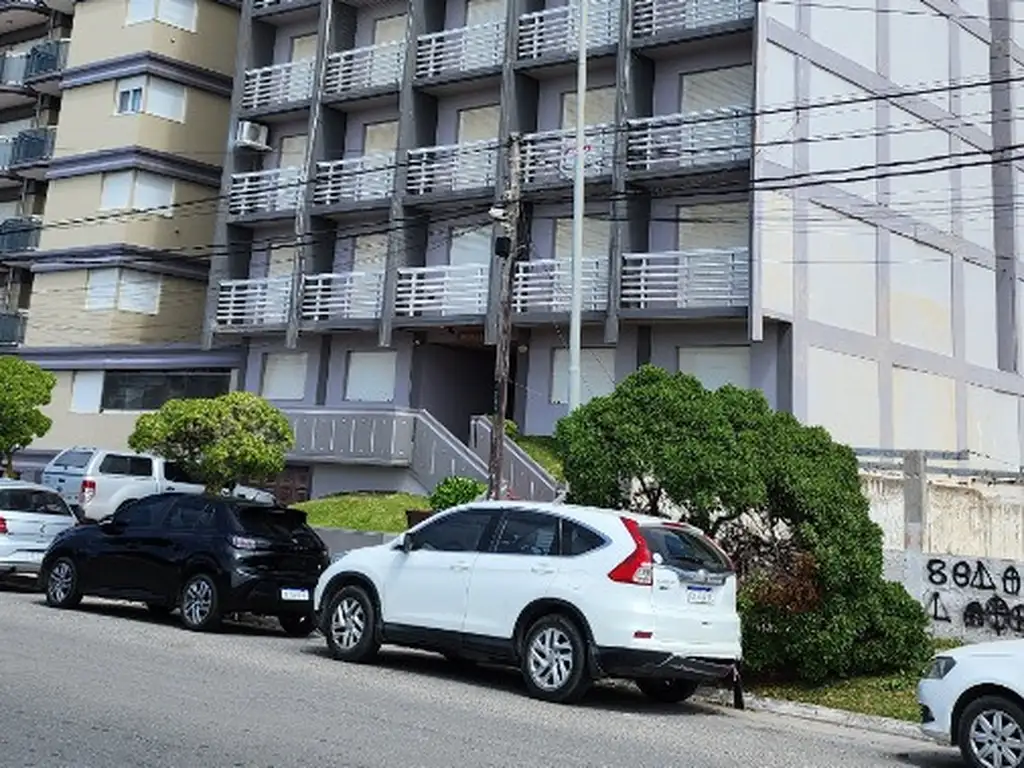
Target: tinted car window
x,y
140,466
192,513
145,513
528,533
683,549
457,532
73,459
578,539
132,466
274,523
34,501
175,473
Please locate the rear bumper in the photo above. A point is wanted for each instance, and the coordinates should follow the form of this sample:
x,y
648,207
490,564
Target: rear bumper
x,y
21,562
262,595
636,664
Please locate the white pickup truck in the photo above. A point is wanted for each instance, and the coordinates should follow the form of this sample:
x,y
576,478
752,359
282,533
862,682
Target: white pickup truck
x,y
101,481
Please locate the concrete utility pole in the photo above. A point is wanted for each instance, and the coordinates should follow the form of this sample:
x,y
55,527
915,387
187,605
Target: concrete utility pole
x,y
578,209
506,251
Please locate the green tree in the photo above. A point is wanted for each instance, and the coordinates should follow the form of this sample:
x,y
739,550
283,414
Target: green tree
x,y
784,499
237,437
24,389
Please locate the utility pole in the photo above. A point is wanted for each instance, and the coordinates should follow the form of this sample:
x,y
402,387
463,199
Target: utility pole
x,y
506,252
578,209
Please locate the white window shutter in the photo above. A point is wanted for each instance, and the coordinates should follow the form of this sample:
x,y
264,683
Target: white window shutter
x,y
139,292
560,376
116,192
304,47
140,11
718,88
390,30
153,192
101,289
479,123
370,253
166,99
281,259
284,376
597,373
178,13
371,377
597,235
380,137
470,245
600,107
483,11
86,391
715,367
714,225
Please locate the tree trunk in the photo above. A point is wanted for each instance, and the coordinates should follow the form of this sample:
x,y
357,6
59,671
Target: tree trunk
x,y
9,466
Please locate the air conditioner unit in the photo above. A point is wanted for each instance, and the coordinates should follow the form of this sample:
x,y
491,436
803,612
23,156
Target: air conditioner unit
x,y
252,135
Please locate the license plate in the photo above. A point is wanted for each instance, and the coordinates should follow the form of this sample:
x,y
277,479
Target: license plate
x,y
295,595
699,595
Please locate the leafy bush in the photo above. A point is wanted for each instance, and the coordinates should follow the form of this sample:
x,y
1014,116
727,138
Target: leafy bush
x,y
453,491
25,389
782,498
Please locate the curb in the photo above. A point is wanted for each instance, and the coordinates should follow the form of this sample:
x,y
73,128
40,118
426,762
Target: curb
x,y
815,713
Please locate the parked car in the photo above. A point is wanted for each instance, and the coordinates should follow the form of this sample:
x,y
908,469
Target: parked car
x,y
204,555
101,482
971,697
568,594
31,516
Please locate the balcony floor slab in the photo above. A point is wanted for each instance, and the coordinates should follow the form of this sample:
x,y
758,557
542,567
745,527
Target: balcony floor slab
x,y
283,112
561,63
360,99
672,43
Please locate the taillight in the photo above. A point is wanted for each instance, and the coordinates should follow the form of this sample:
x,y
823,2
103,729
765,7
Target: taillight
x,y
3,526
638,568
248,542
87,492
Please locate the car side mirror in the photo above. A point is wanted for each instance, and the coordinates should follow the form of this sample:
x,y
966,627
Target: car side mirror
x,y
408,543
112,525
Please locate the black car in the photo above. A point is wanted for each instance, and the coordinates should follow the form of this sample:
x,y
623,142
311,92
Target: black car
x,y
207,556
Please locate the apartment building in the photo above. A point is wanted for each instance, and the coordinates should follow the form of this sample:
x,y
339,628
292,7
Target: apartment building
x,y
115,127
803,251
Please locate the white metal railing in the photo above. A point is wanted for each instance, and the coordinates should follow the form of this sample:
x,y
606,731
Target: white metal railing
x,y
6,150
374,66
443,290
342,296
12,68
551,155
653,17
546,286
261,301
688,140
355,179
278,84
452,168
553,31
686,279
278,189
481,46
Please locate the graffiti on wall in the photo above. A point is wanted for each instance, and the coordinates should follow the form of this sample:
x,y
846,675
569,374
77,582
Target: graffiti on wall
x,y
969,592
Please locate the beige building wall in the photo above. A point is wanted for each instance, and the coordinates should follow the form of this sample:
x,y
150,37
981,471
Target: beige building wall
x,y
101,33
108,430
58,316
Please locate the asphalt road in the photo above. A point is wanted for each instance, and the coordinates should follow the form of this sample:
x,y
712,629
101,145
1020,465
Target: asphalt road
x,y
105,686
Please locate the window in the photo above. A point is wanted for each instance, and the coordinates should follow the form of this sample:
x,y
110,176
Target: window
x,y
152,95
457,532
145,513
683,549
578,540
175,13
126,466
714,225
597,374
717,366
717,89
73,459
470,245
600,107
371,377
137,190
175,473
86,391
597,235
528,533
33,501
129,95
148,390
123,289
284,376
192,513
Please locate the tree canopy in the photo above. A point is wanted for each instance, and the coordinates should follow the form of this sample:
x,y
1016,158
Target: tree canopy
x,y
25,389
784,499
235,438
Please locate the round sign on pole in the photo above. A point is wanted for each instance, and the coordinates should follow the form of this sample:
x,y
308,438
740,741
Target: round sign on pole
x,y
568,165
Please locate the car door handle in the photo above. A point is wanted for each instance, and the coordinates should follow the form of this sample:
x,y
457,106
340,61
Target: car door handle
x,y
460,566
543,570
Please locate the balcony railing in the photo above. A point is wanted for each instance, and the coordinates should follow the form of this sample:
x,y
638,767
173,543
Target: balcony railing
x,y
553,31
262,301
551,156
12,69
683,141
375,66
278,84
686,279
655,17
465,49
356,179
546,286
20,234
6,149
47,58
452,168
33,145
265,191
342,296
444,290
12,328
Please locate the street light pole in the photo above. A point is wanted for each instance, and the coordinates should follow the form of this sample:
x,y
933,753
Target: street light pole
x,y
578,203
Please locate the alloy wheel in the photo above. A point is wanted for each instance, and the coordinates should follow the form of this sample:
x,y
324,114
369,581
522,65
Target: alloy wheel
x,y
550,659
61,581
198,601
997,740
348,623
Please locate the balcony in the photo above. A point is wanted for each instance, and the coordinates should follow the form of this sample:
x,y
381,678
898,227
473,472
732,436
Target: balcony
x,y
699,279
12,328
355,180
546,286
442,291
342,296
686,141
550,157
460,51
454,168
552,32
278,85
32,147
655,18
20,234
362,69
253,302
47,59
264,192
16,15
12,69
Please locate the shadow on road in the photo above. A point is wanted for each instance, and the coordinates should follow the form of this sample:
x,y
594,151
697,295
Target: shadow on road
x,y
938,758
19,584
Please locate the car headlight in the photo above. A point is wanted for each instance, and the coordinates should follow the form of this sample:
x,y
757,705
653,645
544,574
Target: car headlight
x,y
940,667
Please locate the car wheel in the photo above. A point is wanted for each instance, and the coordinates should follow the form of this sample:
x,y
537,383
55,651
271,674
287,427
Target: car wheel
x,y
296,624
200,604
350,625
554,660
62,584
667,691
991,733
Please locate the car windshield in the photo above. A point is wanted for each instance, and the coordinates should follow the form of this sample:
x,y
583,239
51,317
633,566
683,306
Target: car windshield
x,y
34,501
684,549
274,523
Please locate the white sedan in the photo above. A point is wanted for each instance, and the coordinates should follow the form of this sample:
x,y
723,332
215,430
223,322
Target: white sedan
x,y
973,698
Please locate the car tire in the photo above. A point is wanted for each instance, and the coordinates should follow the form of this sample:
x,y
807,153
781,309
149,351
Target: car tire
x,y
350,625
297,624
973,736
199,603
667,690
554,660
62,590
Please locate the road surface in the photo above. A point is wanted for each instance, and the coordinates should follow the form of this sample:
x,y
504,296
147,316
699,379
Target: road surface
x,y
106,686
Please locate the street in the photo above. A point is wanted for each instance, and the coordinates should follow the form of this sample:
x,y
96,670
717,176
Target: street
x,y
108,686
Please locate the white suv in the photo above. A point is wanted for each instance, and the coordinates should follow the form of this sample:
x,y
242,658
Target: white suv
x,y
568,594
